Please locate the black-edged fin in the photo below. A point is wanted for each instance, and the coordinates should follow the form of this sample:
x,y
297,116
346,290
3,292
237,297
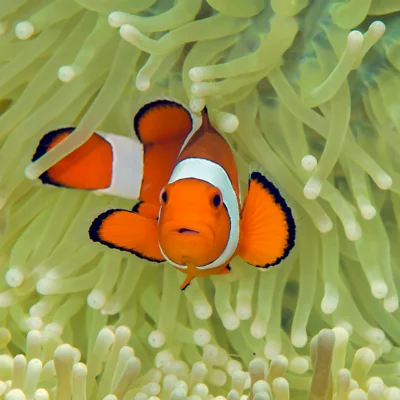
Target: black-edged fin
x,y
267,225
88,167
49,140
146,209
185,286
127,231
226,270
186,282
162,120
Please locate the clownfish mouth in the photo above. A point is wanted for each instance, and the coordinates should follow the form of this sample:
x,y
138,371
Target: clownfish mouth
x,y
187,231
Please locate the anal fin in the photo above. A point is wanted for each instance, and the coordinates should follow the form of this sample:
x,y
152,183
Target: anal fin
x,y
128,231
225,270
267,230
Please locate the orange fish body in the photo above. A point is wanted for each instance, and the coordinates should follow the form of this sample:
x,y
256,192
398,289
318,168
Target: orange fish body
x,y
184,174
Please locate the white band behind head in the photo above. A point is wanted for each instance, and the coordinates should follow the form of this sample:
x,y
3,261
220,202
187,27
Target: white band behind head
x,y
127,166
208,171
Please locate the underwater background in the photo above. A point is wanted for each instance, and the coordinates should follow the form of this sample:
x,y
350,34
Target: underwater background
x,y
309,90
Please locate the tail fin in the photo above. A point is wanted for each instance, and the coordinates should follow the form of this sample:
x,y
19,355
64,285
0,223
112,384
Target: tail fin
x,y
88,167
105,163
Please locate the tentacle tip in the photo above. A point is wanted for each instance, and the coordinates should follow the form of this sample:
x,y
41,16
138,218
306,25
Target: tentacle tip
x,y
280,385
391,303
53,274
325,225
96,299
231,322
113,397
228,123
116,19
309,162
378,28
375,335
341,335
196,104
353,231
14,277
392,393
66,73
243,311
368,211
313,188
106,336
384,182
347,326
379,289
258,329
201,337
65,353
42,394
142,83
299,339
79,370
4,387
195,89
156,339
124,332
271,350
203,310
31,172
44,286
54,328
128,32
355,40
34,323
367,356
34,336
196,74
24,30
299,365
15,394
6,299
329,304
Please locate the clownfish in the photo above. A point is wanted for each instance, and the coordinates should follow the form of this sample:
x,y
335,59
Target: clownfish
x,y
184,174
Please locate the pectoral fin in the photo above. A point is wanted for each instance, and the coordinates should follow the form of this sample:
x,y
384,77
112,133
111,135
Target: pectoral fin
x,y
267,225
146,210
127,231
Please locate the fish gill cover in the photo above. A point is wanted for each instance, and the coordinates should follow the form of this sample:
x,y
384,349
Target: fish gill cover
x,y
307,89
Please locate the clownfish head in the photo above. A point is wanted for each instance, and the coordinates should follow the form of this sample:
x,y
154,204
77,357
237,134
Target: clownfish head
x,y
194,224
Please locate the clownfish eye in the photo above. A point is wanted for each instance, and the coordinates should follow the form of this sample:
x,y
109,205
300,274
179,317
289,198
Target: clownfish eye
x,y
164,197
216,200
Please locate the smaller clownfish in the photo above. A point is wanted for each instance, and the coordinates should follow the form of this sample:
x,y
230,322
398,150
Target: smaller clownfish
x,y
184,175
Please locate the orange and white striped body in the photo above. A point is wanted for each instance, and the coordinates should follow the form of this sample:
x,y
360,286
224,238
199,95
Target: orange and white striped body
x,y
184,175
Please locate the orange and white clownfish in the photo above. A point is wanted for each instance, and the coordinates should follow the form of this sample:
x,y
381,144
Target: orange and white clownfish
x,y
184,175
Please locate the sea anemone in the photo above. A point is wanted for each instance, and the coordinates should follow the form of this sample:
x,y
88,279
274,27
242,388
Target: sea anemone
x,y
308,91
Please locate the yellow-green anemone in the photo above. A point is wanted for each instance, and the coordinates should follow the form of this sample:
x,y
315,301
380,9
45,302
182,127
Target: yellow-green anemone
x,y
309,91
